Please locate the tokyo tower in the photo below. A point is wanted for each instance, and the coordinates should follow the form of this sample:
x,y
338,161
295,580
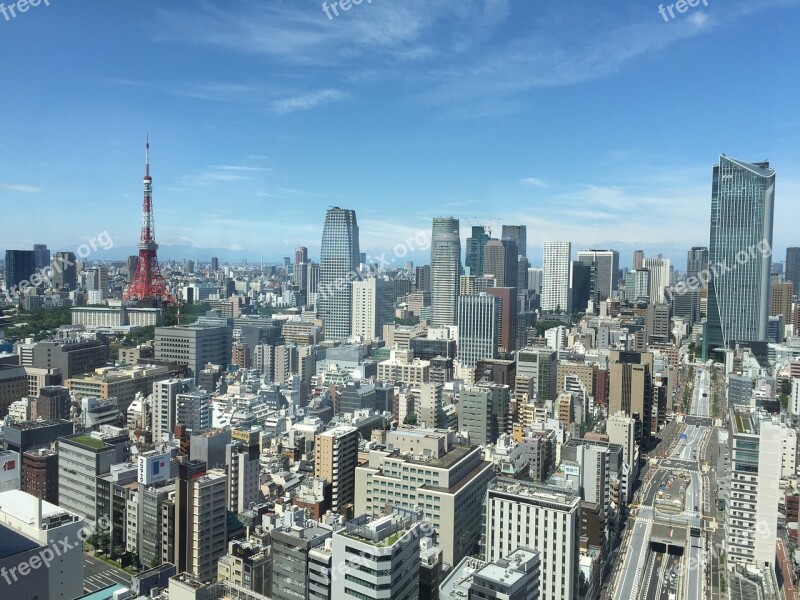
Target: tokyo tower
x,y
148,285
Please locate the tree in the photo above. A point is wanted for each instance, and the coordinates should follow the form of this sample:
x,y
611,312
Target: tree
x,y
411,419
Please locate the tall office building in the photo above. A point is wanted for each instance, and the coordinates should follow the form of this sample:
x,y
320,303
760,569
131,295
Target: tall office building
x,y
476,244
506,317
201,519
638,260
297,552
335,459
478,328
792,267
556,280
781,302
696,261
20,265
584,285
445,270
194,346
423,468
373,307
41,256
630,389
519,235
300,255
494,261
738,301
544,518
540,367
606,263
659,268
65,274
484,412
339,257
422,278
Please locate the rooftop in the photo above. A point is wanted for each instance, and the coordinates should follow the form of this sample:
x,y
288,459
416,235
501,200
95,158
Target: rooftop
x,y
22,507
29,425
13,543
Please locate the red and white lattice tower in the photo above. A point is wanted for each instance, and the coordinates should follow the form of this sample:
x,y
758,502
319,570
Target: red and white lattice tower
x,y
148,284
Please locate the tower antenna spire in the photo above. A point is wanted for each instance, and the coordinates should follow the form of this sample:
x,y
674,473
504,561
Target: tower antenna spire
x,y
147,156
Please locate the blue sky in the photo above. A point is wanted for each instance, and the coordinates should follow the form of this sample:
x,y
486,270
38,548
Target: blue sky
x,y
595,122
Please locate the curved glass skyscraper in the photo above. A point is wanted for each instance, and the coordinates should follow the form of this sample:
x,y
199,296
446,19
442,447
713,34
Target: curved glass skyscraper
x,y
739,253
445,270
339,259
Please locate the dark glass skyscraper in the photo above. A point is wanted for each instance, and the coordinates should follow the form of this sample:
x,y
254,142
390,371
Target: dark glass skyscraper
x,y
696,261
339,260
519,235
475,249
20,265
739,252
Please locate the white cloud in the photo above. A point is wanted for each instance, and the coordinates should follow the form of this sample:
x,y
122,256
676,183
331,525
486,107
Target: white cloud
x,y
20,188
533,181
308,101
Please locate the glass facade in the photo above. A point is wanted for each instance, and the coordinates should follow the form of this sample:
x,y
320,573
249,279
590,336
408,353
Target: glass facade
x,y
740,244
339,263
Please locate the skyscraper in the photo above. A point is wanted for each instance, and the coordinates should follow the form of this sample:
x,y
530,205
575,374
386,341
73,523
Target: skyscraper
x,y
556,276
475,247
519,235
606,263
478,328
445,269
494,261
42,255
335,459
792,269
742,202
638,260
373,307
339,258
65,275
659,268
20,265
696,261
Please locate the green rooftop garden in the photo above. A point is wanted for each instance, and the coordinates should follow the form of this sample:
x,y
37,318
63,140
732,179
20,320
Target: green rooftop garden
x,y
85,440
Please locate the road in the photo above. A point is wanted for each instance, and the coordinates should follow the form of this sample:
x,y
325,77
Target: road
x,y
98,575
644,574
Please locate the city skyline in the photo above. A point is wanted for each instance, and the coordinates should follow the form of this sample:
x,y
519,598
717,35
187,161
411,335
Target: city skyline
x,y
272,151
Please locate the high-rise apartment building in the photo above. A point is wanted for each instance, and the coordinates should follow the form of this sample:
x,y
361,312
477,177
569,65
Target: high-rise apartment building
x,y
242,460
606,263
339,259
373,307
201,513
738,300
192,410
755,450
556,277
445,270
335,459
422,278
544,518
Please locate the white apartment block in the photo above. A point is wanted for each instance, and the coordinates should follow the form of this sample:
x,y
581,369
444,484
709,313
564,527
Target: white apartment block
x,y
556,276
403,367
659,277
163,405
